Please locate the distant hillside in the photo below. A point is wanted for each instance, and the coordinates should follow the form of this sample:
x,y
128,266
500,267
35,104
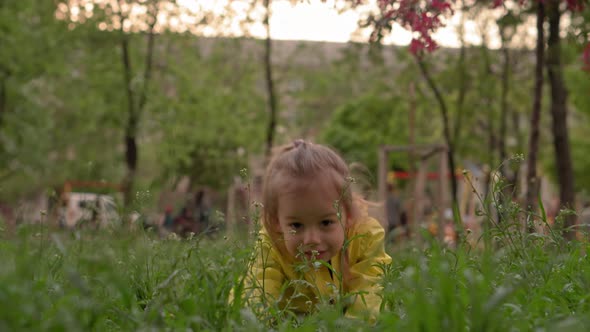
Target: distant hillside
x,y
312,53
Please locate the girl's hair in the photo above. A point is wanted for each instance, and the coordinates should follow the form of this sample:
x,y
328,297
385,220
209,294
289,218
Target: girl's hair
x,y
299,163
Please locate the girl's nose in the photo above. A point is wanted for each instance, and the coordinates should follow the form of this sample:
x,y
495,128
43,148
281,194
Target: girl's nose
x,y
311,237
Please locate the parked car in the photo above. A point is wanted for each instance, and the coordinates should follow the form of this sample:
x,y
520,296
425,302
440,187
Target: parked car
x,y
95,210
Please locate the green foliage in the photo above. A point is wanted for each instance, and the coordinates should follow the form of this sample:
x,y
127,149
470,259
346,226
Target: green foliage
x,y
578,83
365,123
65,108
32,58
330,80
85,281
116,280
203,122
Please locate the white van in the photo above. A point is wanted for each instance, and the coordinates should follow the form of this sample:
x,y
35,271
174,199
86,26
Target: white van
x,y
92,209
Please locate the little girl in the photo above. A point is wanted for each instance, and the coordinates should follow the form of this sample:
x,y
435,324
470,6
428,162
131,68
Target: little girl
x,y
317,244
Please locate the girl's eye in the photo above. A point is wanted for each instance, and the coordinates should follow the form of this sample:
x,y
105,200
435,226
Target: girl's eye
x,y
327,222
295,225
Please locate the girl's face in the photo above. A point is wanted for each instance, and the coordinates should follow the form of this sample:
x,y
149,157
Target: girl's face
x,y
308,220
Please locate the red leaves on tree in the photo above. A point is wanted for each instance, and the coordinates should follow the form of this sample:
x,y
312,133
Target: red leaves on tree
x,y
497,3
441,6
422,18
575,5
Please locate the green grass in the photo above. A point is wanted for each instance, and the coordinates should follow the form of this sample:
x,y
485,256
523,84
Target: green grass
x,y
119,280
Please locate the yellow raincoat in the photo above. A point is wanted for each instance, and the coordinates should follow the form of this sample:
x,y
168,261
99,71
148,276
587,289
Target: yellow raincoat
x,y
300,287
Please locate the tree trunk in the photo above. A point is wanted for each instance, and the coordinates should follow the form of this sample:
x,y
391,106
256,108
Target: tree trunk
x,y
131,162
272,102
563,159
520,146
3,102
134,110
5,74
531,179
147,74
462,70
488,100
504,111
446,126
130,129
509,190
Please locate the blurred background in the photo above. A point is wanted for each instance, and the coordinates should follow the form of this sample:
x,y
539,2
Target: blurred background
x,y
166,111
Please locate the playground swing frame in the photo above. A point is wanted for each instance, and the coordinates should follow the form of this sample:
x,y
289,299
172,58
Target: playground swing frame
x,y
421,153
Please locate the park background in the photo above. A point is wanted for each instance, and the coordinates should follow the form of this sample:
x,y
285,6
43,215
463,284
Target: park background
x,y
152,101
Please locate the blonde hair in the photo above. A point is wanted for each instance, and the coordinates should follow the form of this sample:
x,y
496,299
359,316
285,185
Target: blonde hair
x,y
300,162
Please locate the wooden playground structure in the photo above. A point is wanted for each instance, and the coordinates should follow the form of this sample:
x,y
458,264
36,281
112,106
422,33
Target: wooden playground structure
x,y
419,207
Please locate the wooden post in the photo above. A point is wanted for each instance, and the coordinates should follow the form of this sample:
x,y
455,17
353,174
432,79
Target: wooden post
x,y
418,206
382,187
230,214
411,128
415,206
443,189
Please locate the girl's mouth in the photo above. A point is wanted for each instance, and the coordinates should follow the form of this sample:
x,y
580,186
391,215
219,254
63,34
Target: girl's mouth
x,y
315,255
